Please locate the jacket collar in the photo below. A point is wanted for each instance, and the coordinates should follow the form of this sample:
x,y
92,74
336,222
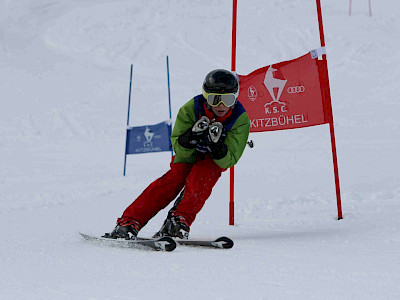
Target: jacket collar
x,y
211,116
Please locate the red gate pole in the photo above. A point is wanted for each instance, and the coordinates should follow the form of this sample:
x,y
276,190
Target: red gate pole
x,y
350,9
232,169
331,127
370,10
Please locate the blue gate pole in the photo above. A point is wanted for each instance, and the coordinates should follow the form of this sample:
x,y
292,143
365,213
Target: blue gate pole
x,y
127,122
169,101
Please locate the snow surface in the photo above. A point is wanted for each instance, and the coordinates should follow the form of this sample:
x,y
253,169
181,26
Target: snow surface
x,y
64,92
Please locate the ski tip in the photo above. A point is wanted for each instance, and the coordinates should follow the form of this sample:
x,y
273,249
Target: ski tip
x,y
227,243
168,243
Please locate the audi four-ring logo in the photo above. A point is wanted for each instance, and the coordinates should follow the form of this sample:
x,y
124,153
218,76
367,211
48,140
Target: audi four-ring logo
x,y
296,89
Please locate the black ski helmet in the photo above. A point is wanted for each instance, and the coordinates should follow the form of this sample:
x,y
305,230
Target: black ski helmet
x,y
221,81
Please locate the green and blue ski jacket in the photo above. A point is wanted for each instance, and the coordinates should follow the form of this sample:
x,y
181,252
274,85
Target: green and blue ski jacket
x,y
236,129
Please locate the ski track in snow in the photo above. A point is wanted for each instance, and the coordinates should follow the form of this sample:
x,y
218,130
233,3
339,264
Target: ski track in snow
x,y
64,91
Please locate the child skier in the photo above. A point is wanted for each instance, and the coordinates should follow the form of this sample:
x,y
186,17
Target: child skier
x,y
209,136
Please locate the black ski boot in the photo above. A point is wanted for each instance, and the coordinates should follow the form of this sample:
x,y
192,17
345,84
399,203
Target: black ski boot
x,y
174,226
125,229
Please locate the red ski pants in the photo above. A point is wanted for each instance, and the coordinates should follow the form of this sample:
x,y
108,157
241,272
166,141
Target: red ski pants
x,y
198,179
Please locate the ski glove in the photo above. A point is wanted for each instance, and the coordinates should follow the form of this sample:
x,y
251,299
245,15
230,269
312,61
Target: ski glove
x,y
194,135
215,141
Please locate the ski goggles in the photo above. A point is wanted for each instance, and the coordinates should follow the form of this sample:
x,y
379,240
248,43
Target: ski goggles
x,y
216,99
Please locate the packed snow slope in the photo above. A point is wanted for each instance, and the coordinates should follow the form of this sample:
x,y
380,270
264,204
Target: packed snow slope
x,y
64,80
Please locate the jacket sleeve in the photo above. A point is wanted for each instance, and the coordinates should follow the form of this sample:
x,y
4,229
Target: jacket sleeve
x,y
235,141
184,120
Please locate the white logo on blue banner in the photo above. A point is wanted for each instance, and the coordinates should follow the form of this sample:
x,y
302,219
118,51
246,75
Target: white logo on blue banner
x,y
146,139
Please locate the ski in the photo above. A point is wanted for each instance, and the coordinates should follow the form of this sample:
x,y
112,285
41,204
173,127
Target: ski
x,y
160,244
220,243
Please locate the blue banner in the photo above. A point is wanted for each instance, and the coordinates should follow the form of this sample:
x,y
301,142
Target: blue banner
x,y
146,139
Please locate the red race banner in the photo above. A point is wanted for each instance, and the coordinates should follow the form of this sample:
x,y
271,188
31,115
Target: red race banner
x,y
286,95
